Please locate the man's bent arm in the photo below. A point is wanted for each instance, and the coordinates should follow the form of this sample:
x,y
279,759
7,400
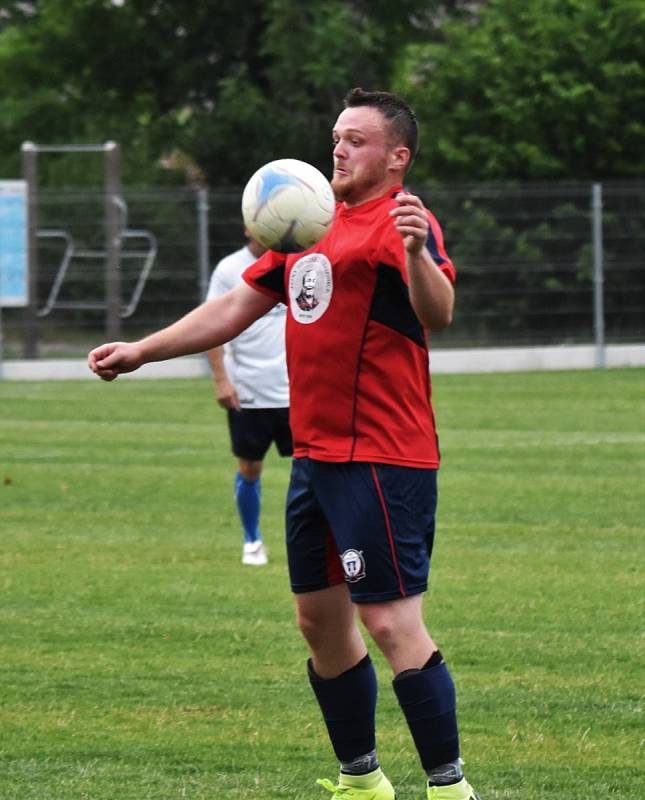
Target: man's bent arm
x,y
431,293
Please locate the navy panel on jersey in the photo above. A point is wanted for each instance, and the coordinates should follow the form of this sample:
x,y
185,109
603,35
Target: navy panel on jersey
x,y
273,280
391,305
371,525
433,248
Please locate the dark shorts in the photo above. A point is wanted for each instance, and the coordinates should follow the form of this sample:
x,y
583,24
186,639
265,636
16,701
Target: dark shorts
x,y
253,430
371,525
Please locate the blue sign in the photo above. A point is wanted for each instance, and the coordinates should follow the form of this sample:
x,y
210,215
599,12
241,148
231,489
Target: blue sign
x,y
13,243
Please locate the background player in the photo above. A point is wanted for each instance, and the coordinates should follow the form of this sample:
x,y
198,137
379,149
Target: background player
x,y
251,383
360,512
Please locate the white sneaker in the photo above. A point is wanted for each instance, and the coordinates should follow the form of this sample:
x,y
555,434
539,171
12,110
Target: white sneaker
x,y
255,553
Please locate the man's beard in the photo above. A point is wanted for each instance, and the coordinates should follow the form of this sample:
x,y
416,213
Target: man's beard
x,y
340,188
350,189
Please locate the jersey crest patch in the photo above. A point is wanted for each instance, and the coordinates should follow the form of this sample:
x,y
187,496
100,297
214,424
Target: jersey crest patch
x,y
353,565
310,288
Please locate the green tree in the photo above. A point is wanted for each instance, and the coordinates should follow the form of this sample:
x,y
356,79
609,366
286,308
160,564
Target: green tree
x,y
228,85
533,89
92,70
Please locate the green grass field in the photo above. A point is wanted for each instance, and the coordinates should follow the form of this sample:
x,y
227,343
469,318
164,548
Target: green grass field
x,y
141,660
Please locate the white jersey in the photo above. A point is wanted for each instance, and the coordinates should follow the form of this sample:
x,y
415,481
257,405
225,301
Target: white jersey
x,y
255,360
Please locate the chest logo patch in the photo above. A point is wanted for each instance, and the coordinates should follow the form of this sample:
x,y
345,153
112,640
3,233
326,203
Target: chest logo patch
x,y
310,288
353,565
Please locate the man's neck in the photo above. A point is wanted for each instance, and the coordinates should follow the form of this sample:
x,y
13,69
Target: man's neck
x,y
256,249
382,191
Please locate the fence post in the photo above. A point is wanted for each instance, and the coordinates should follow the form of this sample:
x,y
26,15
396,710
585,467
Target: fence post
x,y
598,274
30,320
203,255
112,241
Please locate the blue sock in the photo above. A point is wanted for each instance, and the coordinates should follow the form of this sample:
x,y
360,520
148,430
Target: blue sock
x,y
247,495
348,705
427,698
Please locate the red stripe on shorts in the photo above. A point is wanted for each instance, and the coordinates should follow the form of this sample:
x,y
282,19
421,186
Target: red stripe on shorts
x,y
335,574
388,528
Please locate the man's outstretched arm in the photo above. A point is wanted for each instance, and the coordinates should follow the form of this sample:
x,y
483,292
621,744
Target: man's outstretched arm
x,y
209,325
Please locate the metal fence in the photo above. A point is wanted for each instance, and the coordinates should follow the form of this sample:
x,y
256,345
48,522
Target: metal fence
x,y
537,264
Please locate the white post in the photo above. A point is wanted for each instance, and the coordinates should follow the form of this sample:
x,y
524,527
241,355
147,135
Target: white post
x,y
112,241
31,331
598,274
203,244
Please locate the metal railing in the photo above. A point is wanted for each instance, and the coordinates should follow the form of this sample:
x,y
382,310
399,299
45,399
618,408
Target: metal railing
x,y
537,263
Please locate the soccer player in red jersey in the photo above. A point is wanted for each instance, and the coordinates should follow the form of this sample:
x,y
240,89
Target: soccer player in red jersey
x,y
362,497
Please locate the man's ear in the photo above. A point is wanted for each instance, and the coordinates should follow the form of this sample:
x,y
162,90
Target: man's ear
x,y
399,158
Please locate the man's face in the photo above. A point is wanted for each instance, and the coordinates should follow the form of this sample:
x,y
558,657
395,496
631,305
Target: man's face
x,y
360,155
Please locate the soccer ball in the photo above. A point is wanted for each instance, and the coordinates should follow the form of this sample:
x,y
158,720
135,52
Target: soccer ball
x,y
288,205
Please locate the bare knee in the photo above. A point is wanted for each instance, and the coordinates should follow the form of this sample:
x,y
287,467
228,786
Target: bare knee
x,y
313,624
327,622
250,470
398,630
380,624
325,614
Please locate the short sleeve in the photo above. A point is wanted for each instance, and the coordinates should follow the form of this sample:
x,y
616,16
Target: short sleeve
x,y
437,250
393,251
267,275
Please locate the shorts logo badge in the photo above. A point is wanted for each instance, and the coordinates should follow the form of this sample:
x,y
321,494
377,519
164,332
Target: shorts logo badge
x,y
353,565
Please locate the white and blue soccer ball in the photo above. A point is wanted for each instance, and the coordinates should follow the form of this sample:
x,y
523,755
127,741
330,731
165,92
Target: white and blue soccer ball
x,y
288,205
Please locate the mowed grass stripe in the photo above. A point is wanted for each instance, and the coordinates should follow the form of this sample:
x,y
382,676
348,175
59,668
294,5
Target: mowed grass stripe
x,y
139,659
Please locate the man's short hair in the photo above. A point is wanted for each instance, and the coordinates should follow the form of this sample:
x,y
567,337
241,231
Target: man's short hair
x,y
402,118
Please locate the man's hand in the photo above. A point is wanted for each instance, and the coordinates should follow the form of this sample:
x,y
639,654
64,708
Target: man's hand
x,y
225,392
226,395
108,361
411,221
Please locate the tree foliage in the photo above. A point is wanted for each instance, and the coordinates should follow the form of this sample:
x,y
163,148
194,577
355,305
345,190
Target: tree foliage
x,y
505,89
534,89
230,86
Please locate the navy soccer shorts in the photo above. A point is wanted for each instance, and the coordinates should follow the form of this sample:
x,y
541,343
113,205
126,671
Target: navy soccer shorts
x,y
371,525
253,430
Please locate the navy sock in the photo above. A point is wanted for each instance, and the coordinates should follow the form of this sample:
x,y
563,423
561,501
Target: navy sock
x,y
361,765
427,698
446,774
348,705
247,495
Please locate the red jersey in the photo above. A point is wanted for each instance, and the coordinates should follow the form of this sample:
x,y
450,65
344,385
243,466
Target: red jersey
x,y
356,353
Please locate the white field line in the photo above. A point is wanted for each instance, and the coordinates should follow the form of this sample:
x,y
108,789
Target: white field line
x,y
509,438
